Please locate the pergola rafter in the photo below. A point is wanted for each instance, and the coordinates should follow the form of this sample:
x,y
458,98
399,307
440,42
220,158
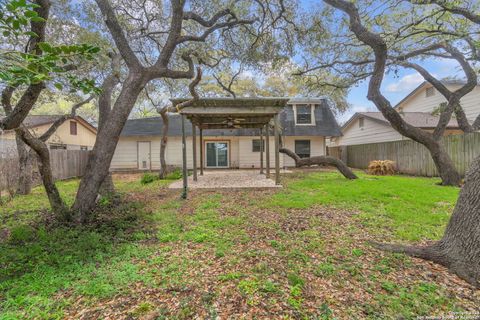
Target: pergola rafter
x,y
229,113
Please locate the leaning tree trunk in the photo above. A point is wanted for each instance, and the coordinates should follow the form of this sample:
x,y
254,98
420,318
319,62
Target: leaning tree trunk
x,y
98,164
24,185
43,154
163,145
326,160
444,164
459,249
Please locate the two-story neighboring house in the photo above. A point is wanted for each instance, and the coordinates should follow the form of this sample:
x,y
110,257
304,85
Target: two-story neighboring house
x,y
419,108
73,134
305,123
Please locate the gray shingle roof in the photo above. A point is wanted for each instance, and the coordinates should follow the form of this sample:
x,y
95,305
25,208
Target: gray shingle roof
x,y
33,121
326,125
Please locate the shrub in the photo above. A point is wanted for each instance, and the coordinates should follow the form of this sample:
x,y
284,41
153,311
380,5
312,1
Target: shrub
x,y
174,175
148,178
381,167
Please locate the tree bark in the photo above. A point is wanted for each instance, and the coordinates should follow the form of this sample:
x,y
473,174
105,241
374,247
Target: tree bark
x,y
445,166
24,184
326,160
163,145
41,149
107,138
459,249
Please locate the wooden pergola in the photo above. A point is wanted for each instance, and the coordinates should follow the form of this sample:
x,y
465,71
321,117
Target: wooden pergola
x,y
232,113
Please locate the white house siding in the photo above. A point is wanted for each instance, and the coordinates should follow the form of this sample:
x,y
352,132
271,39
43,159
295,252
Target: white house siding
x,y
420,103
372,132
317,147
240,152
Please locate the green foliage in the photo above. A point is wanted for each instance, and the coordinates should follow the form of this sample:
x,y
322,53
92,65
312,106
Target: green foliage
x,y
148,177
15,17
175,175
50,62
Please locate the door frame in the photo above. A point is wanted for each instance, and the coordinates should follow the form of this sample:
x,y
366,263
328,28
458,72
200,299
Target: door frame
x,y
228,153
149,155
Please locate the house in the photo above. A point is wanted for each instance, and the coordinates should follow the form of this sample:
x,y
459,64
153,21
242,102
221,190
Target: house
x,y
420,108
73,134
305,123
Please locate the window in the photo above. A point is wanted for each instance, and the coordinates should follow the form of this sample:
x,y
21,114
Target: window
x,y
430,92
304,114
58,147
73,128
84,148
302,148
256,145
361,122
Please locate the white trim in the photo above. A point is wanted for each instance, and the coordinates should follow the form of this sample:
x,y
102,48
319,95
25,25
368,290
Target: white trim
x,y
228,154
312,117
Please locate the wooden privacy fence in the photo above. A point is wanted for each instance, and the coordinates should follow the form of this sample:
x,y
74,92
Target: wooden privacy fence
x,y
65,164
68,163
411,157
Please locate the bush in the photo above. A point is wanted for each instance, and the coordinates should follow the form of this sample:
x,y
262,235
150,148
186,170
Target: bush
x,y
174,175
148,178
381,167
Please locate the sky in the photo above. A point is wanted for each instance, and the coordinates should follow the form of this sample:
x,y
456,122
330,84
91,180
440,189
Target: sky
x,y
395,87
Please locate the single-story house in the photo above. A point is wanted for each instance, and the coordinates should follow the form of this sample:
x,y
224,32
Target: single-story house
x,y
419,108
73,134
305,124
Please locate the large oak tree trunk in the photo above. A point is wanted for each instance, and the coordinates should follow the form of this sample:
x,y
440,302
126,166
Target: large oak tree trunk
x,y
101,156
24,184
444,164
320,160
459,249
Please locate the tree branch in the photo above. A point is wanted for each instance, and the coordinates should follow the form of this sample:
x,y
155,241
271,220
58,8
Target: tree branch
x,y
117,34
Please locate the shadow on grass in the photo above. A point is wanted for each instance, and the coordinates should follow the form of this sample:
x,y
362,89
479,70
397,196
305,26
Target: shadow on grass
x,y
39,261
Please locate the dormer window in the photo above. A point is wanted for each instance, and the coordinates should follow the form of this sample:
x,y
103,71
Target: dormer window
x,y
304,114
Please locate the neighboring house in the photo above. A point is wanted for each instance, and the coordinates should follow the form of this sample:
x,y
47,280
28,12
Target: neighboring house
x,y
305,125
419,108
73,134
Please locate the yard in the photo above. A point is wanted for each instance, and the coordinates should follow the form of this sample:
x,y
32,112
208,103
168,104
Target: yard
x,y
299,252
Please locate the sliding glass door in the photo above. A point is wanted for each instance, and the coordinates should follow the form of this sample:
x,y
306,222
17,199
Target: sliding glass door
x,y
217,154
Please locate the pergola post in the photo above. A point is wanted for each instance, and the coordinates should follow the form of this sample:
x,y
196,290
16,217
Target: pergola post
x,y
184,160
201,151
261,150
277,150
194,150
267,149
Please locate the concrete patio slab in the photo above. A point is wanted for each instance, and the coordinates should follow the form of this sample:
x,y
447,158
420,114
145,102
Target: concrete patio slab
x,y
229,179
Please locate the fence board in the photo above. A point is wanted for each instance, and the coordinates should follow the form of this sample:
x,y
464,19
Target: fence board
x,y
65,164
411,157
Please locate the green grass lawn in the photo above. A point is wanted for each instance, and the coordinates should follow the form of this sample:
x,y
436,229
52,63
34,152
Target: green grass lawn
x,y
295,253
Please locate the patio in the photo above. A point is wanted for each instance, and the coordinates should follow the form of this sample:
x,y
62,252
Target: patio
x,y
228,179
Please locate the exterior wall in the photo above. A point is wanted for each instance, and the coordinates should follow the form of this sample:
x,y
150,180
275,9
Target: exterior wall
x,y
371,132
240,151
317,148
420,103
84,137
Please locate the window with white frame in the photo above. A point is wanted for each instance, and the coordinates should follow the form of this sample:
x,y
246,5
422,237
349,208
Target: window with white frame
x,y
302,148
361,122
430,92
304,114
257,145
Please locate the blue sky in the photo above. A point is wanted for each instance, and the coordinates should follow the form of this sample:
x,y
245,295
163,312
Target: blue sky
x,y
397,87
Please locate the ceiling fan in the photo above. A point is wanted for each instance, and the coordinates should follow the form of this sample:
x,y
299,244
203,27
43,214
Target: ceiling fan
x,y
233,123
